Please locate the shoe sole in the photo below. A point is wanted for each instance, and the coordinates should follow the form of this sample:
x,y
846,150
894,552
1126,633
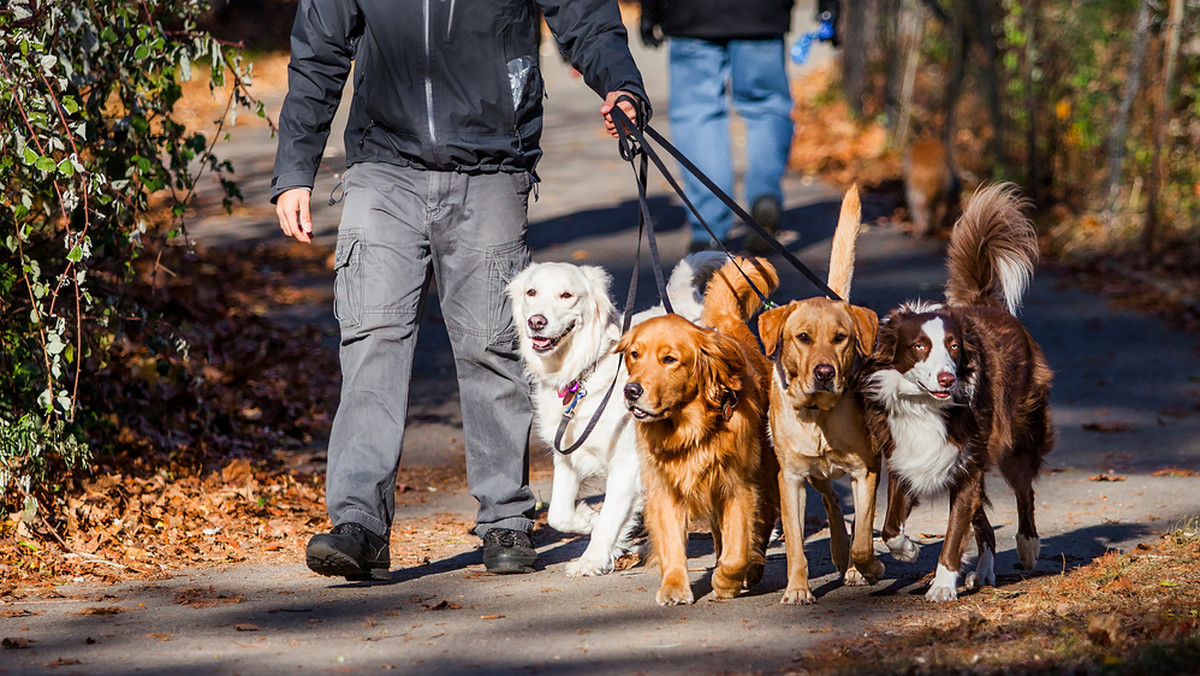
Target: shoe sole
x,y
336,564
509,566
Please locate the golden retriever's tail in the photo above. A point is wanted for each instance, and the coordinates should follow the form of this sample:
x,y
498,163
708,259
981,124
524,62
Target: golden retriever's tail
x,y
841,258
993,250
729,298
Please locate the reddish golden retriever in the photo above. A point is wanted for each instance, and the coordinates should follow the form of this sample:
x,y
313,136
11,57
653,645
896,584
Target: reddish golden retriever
x,y
699,398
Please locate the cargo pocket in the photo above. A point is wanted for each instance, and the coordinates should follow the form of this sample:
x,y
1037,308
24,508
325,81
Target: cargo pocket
x,y
504,262
348,285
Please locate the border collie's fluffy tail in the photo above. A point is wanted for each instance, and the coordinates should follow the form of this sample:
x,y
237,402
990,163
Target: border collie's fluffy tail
x,y
688,280
729,299
841,257
993,250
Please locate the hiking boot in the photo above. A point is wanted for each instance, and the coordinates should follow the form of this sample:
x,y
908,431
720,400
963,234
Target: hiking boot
x,y
351,551
508,551
766,211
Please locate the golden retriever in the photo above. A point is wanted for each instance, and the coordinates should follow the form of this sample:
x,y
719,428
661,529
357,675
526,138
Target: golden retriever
x,y
817,424
699,400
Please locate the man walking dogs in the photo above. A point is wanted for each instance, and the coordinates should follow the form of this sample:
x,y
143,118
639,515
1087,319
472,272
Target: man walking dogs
x,y
441,146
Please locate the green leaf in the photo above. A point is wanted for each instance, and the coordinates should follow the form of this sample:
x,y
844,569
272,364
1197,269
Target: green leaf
x,y
142,51
46,164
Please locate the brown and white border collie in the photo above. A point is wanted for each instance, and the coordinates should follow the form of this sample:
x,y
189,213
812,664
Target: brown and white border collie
x,y
954,389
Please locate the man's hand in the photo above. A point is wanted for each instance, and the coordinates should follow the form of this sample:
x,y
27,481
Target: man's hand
x,y
652,36
629,109
295,218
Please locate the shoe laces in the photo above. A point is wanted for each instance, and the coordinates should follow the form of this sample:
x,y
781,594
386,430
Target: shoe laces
x,y
506,537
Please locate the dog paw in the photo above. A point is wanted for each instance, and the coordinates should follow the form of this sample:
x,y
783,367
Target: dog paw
x,y
903,549
853,578
1027,551
674,596
944,586
974,581
798,597
941,593
754,575
588,568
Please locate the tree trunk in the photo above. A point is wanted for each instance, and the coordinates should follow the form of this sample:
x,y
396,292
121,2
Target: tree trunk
x,y
981,15
1162,119
1116,140
912,30
1036,167
954,84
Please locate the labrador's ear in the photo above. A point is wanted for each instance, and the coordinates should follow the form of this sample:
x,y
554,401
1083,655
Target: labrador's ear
x,y
866,327
721,367
770,326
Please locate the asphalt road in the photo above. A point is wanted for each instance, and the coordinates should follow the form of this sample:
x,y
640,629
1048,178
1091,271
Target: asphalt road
x,y
1125,404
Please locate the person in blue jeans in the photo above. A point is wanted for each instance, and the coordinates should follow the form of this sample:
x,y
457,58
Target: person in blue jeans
x,y
721,50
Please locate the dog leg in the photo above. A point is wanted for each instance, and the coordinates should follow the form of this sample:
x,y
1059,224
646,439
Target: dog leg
x,y
839,544
1019,472
900,504
737,533
862,549
766,514
792,498
964,503
984,574
620,494
667,520
565,514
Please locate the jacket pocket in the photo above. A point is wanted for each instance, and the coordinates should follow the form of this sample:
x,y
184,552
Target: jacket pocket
x,y
504,262
348,283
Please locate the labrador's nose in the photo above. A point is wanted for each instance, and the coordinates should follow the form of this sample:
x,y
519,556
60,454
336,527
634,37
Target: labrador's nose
x,y
824,372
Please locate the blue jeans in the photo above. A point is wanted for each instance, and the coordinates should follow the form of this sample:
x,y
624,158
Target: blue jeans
x,y
703,74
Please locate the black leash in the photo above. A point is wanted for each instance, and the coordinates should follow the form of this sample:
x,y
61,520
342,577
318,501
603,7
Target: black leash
x,y
630,152
625,127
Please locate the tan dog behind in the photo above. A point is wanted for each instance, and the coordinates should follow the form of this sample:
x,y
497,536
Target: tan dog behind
x,y
817,425
699,398
931,187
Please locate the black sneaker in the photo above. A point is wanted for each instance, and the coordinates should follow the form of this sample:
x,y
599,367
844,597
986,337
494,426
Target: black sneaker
x,y
766,211
351,551
508,551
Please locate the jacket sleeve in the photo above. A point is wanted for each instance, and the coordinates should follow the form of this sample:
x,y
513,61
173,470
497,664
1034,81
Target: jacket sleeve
x,y
322,45
591,35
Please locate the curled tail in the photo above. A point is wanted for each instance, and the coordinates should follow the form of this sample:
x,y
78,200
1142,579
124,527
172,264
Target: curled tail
x,y
993,250
729,299
688,280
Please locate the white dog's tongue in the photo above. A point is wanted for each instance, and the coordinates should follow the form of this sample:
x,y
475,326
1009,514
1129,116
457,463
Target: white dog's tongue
x,y
541,343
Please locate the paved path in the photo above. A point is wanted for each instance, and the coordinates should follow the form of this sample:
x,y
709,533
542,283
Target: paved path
x,y
1115,370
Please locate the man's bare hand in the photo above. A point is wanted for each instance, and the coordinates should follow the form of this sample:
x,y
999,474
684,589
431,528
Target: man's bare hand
x,y
294,214
610,101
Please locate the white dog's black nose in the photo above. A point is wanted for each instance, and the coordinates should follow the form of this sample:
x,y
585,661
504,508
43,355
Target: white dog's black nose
x,y
537,322
633,391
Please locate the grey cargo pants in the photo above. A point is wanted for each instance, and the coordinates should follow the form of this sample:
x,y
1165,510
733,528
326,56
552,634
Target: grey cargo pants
x,y
402,227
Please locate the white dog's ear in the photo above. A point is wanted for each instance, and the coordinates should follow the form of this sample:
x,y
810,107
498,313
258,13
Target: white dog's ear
x,y
599,304
598,277
516,287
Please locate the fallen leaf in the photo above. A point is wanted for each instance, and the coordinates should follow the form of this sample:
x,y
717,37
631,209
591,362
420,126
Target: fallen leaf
x,y
490,617
14,643
1104,630
246,627
102,610
1174,471
62,662
442,605
1106,477
1107,427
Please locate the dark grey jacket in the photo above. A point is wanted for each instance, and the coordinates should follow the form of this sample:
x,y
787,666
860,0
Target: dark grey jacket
x,y
440,84
719,19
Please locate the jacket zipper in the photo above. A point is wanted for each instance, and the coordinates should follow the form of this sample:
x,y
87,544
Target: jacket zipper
x,y
450,21
429,83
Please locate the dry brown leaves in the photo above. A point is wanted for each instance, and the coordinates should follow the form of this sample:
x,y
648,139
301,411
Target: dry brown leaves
x,y
1126,613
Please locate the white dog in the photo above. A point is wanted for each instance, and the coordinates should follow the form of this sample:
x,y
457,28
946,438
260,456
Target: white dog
x,y
568,327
